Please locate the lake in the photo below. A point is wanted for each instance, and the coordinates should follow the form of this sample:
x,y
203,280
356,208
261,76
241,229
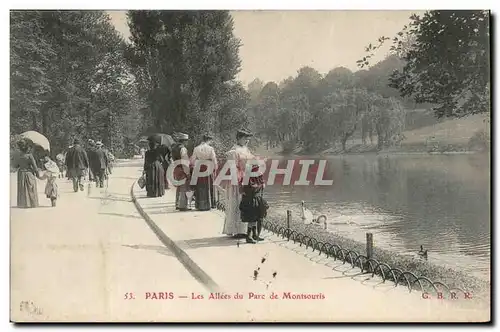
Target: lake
x,y
439,201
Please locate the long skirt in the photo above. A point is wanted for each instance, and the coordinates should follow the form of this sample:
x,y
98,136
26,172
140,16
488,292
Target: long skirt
x,y
155,180
181,199
27,195
204,193
232,221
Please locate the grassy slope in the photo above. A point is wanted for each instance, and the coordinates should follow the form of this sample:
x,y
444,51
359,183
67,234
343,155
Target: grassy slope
x,y
454,131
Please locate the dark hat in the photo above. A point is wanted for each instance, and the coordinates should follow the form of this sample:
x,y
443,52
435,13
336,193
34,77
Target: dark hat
x,y
244,133
207,137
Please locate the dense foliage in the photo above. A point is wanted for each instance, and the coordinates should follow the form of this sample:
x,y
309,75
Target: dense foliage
x,y
317,112
69,78
447,61
185,64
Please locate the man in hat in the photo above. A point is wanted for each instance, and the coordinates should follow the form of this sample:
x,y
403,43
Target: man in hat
x,y
204,191
77,163
179,152
110,157
100,164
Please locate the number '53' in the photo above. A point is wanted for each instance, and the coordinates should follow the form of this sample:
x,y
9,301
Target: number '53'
x,y
129,296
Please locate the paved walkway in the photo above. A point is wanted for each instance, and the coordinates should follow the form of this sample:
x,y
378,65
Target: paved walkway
x,y
349,295
77,261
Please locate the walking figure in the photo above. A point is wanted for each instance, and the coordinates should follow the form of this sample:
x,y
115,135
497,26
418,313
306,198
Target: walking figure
x,y
77,163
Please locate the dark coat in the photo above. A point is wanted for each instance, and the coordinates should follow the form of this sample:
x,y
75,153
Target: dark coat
x,y
100,159
77,158
176,151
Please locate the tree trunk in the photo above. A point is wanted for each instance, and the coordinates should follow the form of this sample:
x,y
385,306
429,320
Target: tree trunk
x,y
34,121
344,141
380,143
44,129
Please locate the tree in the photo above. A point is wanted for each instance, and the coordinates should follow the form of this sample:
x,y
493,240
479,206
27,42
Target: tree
x,y
447,63
29,84
345,109
69,77
185,62
267,113
254,89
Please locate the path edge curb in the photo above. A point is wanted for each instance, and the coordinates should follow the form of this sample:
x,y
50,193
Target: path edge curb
x,y
194,269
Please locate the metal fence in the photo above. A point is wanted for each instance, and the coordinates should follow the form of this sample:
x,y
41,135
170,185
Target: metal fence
x,y
365,262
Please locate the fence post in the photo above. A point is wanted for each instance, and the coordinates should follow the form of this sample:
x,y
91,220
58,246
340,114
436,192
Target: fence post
x,y
288,219
369,245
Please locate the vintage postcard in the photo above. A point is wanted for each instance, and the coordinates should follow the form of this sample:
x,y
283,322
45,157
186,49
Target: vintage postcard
x,y
250,166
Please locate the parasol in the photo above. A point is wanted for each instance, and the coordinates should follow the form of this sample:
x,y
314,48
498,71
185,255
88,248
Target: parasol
x,y
163,139
37,139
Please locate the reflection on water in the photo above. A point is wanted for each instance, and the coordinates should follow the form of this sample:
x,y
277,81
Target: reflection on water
x,y
440,202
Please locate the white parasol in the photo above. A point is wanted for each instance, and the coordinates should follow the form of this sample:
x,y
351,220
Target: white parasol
x,y
37,139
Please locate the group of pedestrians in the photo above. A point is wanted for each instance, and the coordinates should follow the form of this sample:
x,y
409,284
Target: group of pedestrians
x,y
245,205
156,164
95,162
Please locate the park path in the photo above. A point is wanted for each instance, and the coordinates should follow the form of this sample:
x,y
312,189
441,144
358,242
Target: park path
x,y
77,261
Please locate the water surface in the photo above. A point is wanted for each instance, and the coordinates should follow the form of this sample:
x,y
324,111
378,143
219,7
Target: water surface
x,y
441,202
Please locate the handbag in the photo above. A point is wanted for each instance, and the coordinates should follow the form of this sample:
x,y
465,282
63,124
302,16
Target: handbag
x,y
141,182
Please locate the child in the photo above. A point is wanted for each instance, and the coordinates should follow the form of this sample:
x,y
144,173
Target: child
x,y
61,164
52,172
253,206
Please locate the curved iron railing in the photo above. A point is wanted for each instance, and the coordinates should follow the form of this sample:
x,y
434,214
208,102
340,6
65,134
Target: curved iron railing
x,y
367,265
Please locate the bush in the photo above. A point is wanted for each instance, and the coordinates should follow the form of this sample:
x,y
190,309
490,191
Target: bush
x,y
289,146
480,141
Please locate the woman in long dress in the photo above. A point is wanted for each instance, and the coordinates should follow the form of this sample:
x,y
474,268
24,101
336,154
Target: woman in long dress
x,y
203,191
240,154
182,172
153,169
27,172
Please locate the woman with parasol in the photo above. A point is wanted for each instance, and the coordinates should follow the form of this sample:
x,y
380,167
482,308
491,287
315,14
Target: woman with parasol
x,y
27,172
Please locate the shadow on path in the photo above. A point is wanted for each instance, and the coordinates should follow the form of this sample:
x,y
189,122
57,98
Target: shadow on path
x,y
159,249
120,215
219,241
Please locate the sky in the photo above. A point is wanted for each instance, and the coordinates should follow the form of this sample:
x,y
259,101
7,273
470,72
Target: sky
x,y
275,44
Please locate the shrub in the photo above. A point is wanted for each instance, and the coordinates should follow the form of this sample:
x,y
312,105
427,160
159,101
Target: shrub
x,y
480,141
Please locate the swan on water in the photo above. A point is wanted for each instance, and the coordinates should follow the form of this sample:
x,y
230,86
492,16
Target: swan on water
x,y
422,253
308,217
